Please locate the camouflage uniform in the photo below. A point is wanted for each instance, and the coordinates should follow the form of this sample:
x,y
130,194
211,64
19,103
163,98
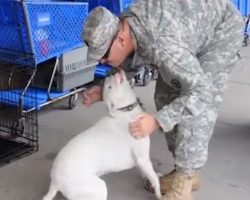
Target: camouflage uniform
x,y
194,44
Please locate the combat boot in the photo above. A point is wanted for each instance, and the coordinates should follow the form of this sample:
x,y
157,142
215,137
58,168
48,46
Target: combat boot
x,y
167,179
180,187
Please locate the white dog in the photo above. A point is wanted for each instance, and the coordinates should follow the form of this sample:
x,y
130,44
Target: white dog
x,y
106,147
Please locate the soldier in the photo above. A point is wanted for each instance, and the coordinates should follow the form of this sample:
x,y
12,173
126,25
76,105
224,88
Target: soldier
x,y
194,44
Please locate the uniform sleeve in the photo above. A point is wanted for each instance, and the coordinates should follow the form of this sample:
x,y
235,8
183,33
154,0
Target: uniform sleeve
x,y
181,70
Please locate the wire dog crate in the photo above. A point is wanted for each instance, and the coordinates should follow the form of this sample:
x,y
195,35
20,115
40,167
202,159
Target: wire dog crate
x,y
18,125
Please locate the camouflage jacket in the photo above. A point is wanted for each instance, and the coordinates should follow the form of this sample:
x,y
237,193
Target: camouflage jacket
x,y
172,34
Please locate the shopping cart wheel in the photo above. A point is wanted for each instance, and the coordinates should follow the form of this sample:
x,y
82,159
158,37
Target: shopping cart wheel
x,y
72,100
17,128
155,74
132,82
146,78
245,42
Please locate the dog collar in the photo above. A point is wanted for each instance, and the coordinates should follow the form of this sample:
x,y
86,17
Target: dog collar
x,y
131,106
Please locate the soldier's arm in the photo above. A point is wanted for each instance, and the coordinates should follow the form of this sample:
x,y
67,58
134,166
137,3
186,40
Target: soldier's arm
x,y
180,69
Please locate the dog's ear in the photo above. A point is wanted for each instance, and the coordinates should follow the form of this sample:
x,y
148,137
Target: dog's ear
x,y
123,74
119,77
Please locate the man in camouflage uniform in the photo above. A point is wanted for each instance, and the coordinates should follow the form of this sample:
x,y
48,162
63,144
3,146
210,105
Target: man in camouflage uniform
x,y
194,44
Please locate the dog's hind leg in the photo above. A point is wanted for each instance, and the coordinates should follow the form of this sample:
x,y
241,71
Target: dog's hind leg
x,y
51,193
89,188
145,165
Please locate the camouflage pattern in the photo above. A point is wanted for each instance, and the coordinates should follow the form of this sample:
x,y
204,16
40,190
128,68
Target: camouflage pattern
x,y
194,44
99,30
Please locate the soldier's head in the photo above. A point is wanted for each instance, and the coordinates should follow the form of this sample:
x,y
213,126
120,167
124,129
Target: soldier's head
x,y
108,38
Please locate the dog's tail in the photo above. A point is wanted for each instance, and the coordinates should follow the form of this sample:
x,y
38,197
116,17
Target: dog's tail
x,y
51,193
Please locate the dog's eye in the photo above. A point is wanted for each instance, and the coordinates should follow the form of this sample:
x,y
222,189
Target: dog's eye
x,y
109,87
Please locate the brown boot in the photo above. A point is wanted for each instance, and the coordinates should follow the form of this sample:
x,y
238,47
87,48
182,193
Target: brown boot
x,y
166,181
180,187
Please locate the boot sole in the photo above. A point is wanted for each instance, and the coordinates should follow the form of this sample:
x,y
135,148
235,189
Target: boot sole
x,y
149,188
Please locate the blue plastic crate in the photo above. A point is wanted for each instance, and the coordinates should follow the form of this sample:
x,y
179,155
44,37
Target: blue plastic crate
x,y
248,7
45,29
112,5
115,6
124,4
243,6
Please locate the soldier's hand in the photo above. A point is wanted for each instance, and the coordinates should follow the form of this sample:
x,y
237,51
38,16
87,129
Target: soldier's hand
x,y
92,95
143,125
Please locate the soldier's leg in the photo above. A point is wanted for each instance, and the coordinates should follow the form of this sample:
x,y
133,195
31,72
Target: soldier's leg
x,y
164,95
186,132
192,141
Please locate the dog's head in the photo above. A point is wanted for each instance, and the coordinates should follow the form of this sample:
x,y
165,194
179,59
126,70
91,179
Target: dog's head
x,y
117,92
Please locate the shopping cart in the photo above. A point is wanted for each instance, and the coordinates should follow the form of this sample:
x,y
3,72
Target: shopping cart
x,y
244,7
33,34
115,6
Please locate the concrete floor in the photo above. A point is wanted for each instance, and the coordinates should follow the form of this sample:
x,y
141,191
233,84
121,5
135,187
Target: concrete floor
x,y
226,175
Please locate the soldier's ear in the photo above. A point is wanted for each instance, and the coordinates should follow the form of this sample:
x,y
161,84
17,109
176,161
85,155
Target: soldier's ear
x,y
121,39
